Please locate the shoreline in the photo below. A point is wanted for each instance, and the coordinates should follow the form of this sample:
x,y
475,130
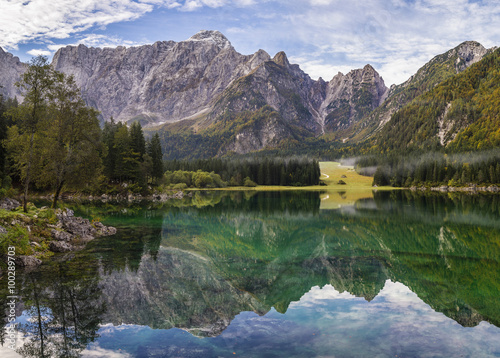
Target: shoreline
x,y
472,189
188,192
42,232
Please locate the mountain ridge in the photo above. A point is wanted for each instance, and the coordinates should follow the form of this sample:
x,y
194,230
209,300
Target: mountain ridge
x,y
202,87
437,70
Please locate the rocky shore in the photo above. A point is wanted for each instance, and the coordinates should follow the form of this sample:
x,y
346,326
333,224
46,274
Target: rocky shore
x,y
40,233
127,197
467,189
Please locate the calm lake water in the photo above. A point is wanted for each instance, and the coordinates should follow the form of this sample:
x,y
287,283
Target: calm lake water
x,y
273,275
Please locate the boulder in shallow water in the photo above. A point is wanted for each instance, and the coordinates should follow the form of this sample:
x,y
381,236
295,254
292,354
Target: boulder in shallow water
x,y
103,230
60,246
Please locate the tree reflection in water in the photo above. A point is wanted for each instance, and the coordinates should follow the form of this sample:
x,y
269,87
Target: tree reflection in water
x,y
64,306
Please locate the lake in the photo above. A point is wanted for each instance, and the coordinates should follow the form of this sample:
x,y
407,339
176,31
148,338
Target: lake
x,y
273,274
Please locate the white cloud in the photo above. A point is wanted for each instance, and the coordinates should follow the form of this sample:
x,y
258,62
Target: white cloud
x,y
395,36
37,52
390,33
96,351
22,21
318,68
321,2
244,2
191,5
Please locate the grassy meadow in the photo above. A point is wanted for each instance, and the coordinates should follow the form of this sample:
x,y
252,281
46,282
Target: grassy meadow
x,y
333,194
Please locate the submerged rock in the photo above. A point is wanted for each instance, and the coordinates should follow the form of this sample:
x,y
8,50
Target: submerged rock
x,y
72,231
76,226
165,197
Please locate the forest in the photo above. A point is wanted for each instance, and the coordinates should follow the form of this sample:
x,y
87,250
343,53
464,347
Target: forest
x,y
250,171
460,114
433,169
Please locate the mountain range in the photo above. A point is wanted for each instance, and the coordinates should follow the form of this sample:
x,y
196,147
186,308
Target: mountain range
x,y
206,99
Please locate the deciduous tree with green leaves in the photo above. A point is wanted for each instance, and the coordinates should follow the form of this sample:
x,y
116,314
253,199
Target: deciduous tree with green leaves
x,y
35,85
56,139
71,134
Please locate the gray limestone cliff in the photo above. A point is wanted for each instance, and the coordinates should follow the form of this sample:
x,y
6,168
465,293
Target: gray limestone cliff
x,y
163,82
350,97
203,78
11,69
303,107
206,87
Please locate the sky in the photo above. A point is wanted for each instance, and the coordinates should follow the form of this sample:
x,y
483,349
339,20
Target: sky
x,y
324,37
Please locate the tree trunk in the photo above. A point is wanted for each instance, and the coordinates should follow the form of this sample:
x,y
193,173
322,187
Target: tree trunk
x,y
28,174
57,193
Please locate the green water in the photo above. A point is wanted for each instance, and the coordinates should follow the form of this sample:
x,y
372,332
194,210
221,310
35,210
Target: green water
x,y
272,275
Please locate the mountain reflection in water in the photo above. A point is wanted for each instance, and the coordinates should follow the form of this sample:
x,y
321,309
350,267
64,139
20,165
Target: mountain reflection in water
x,y
402,273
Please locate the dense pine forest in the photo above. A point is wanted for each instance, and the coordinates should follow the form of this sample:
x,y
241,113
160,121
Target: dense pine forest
x,y
250,171
433,169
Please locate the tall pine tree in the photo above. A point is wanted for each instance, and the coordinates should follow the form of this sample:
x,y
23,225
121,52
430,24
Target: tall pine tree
x,y
155,152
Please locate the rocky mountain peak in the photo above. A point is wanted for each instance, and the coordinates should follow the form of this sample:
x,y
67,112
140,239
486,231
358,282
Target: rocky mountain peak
x,y
281,59
215,37
369,69
469,52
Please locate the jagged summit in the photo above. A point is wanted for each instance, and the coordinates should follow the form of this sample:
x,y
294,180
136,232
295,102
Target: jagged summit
x,y
368,67
281,59
212,36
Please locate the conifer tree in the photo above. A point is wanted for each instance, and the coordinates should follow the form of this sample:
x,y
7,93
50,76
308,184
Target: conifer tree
x,y
155,152
137,142
110,158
